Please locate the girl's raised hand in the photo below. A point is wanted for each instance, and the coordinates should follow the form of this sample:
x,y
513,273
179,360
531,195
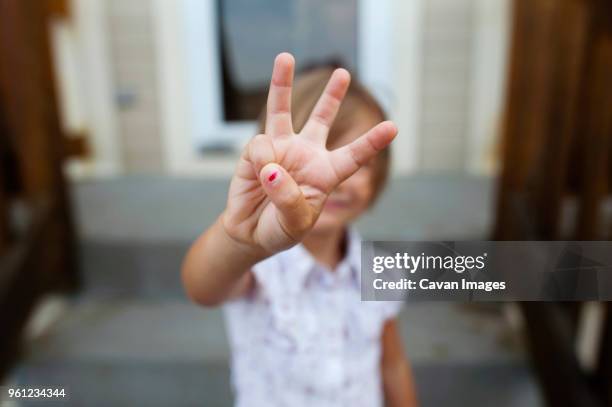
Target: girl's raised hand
x,y
283,179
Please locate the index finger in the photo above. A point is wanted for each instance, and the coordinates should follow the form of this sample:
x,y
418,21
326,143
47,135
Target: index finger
x,y
278,107
326,109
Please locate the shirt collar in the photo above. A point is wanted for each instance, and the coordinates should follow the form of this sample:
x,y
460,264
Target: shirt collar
x,y
302,264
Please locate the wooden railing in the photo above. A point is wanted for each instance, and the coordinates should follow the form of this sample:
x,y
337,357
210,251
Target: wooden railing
x,y
557,146
38,254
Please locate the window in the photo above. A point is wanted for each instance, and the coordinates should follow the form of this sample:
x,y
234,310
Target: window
x,y
231,45
252,32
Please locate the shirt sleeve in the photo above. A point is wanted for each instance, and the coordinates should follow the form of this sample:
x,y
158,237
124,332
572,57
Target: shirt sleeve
x,y
390,309
266,274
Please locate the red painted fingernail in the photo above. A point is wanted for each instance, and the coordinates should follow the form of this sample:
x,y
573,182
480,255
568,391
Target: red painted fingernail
x,y
272,176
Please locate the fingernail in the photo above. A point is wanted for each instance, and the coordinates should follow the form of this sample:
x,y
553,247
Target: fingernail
x,y
273,177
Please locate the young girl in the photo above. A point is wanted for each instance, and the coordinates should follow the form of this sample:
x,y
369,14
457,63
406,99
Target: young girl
x,y
286,262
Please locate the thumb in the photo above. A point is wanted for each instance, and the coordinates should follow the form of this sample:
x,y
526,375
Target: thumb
x,y
294,213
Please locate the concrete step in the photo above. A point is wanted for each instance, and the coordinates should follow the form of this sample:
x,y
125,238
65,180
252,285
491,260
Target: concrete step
x,y
141,352
135,230
193,384
162,209
131,338
154,352
112,268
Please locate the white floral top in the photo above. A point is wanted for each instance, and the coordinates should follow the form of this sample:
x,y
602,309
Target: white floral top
x,y
304,337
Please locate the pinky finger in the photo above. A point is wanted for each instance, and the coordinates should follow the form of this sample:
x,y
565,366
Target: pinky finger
x,y
349,158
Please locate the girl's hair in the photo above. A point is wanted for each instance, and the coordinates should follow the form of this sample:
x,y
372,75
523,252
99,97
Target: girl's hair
x,y
306,91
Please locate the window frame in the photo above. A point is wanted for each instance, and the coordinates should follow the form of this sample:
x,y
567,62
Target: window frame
x,y
209,129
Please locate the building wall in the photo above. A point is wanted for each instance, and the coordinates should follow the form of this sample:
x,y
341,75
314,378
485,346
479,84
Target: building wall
x,y
445,76
448,70
134,61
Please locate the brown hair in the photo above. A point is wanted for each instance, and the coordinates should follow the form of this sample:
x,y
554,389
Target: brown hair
x,y
308,87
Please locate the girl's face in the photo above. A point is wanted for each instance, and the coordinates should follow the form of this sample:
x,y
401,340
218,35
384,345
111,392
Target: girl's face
x,y
352,197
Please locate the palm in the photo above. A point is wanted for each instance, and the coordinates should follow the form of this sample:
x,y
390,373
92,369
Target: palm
x,y
310,165
274,217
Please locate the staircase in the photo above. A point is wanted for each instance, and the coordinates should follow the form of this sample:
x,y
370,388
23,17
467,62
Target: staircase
x,y
131,338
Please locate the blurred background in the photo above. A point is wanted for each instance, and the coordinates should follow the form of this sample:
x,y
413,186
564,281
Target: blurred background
x,y
121,122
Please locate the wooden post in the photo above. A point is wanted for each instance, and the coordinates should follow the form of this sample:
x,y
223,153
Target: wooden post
x,y
4,221
44,260
570,32
596,114
527,97
4,204
28,94
558,102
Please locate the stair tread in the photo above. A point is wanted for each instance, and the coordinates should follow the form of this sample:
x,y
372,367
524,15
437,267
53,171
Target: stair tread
x,y
177,331
149,208
158,353
119,330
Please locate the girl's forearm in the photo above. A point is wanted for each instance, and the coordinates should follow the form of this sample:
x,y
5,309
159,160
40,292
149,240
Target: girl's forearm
x,y
215,265
397,376
399,386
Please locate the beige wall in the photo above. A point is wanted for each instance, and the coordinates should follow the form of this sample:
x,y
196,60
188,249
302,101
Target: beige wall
x,y
465,43
135,80
448,69
446,73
